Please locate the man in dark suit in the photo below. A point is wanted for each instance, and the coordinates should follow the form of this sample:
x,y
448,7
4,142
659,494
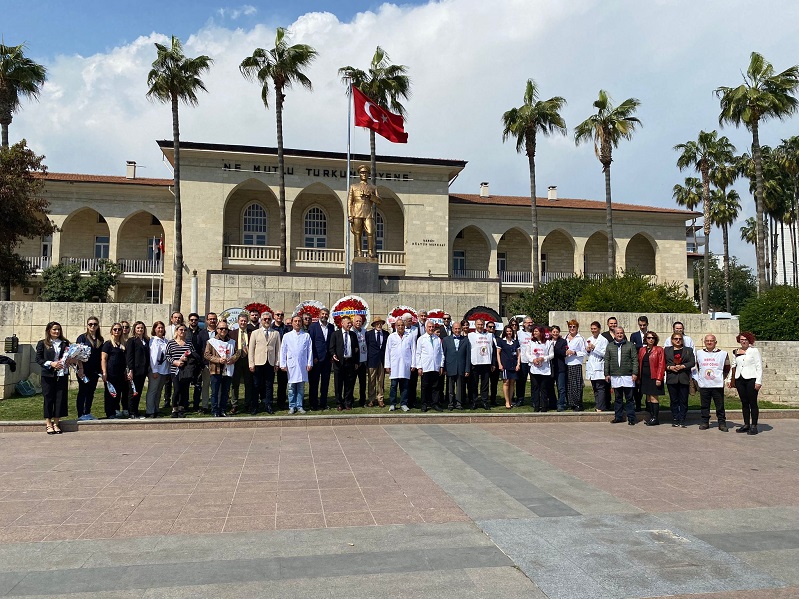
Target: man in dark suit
x,y
457,364
281,375
320,332
376,351
209,332
344,352
638,339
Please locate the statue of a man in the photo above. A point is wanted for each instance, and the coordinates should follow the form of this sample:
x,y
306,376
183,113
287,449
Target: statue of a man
x,y
359,211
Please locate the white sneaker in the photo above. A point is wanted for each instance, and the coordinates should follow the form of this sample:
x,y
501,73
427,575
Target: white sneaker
x,y
300,411
392,408
405,408
291,411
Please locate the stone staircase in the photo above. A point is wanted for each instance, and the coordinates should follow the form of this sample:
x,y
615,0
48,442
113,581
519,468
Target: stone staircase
x,y
780,371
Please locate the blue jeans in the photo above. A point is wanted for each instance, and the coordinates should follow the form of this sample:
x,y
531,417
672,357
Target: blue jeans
x,y
403,388
624,399
220,389
560,382
296,391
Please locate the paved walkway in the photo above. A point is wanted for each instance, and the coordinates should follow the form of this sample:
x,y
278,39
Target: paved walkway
x,y
561,510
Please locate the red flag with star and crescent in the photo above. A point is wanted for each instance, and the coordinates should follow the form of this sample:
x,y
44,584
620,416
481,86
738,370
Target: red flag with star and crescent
x,y
385,123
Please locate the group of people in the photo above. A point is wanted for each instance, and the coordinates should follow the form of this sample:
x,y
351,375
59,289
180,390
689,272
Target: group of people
x,y
441,365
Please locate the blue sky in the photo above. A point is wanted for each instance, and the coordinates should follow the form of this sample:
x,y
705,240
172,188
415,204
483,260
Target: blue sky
x,y
468,60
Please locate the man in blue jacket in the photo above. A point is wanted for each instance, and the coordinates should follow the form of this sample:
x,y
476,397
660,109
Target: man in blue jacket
x,y
376,340
457,364
320,332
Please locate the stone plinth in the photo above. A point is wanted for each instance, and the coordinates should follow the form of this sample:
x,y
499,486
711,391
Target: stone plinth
x,y
364,275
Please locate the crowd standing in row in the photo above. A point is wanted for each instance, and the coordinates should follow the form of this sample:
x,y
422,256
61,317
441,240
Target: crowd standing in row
x,y
452,367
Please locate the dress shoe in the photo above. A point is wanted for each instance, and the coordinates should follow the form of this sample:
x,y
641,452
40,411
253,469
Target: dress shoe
x,y
269,410
616,421
424,408
652,422
742,429
438,408
675,425
340,409
704,426
723,427
752,430
631,422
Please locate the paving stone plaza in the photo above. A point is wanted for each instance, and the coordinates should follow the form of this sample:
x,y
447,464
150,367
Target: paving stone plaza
x,y
580,510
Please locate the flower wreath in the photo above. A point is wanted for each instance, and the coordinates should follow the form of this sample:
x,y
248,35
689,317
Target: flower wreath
x,y
257,306
437,315
397,313
350,305
312,307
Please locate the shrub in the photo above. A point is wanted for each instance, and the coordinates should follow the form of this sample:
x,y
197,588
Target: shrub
x,y
634,292
773,316
560,294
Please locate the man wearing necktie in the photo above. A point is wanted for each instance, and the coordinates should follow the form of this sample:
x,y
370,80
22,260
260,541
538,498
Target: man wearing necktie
x,y
344,351
241,371
376,351
429,362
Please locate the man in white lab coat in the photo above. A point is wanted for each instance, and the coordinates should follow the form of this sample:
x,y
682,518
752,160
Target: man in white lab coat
x,y
296,359
429,362
399,361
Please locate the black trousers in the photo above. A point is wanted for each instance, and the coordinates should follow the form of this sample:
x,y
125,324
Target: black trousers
x,y
521,382
430,396
748,395
318,384
133,402
361,376
263,382
180,392
480,375
717,395
344,381
412,386
282,388
494,378
539,391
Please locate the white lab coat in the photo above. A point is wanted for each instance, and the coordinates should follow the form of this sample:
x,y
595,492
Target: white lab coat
x,y
595,364
296,355
399,355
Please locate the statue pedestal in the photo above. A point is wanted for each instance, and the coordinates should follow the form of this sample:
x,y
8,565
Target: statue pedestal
x,y
364,276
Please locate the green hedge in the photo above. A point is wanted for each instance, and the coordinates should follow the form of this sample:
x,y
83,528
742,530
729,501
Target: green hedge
x,y
774,316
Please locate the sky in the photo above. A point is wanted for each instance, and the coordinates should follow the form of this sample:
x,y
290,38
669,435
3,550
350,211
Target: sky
x,y
468,60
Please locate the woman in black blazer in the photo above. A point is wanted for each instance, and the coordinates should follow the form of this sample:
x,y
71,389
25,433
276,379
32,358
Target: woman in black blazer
x,y
137,354
55,376
679,362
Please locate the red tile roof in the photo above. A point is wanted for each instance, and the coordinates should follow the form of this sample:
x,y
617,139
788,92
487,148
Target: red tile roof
x,y
107,179
476,199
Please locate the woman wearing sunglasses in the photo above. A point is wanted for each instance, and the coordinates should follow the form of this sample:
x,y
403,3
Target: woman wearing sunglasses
x,y
91,368
114,363
652,366
159,368
679,362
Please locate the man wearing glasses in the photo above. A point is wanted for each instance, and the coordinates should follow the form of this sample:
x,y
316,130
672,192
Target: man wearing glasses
x,y
523,337
713,366
639,339
282,377
264,361
202,340
621,372
493,376
483,352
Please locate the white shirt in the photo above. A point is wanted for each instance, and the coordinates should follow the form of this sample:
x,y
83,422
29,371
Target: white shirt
x,y
686,341
324,329
545,350
576,344
524,340
483,347
347,340
361,342
399,355
595,364
158,361
429,353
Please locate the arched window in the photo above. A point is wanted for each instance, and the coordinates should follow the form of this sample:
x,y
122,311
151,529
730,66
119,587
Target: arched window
x,y
253,230
379,231
315,227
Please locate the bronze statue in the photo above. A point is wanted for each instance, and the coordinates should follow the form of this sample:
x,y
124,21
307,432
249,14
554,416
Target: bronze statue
x,y
362,197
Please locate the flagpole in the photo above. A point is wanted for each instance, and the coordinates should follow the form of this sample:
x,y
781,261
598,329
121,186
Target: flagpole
x,y
347,234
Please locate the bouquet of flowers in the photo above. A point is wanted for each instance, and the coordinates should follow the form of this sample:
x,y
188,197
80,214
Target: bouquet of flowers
x,y
312,307
77,352
350,305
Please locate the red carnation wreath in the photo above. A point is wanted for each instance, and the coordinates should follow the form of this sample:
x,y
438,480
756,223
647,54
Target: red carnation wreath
x,y
397,313
312,307
350,305
257,306
437,315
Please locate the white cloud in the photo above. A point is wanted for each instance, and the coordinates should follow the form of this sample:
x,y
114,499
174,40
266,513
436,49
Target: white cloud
x,y
468,60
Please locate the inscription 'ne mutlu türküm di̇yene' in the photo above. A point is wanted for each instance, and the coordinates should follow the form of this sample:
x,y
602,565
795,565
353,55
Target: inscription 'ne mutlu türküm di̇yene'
x,y
314,172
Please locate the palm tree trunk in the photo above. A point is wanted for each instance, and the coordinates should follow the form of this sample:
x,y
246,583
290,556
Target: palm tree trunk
x,y
774,247
706,225
373,151
792,231
534,215
609,222
760,246
725,234
282,177
4,129
782,246
177,292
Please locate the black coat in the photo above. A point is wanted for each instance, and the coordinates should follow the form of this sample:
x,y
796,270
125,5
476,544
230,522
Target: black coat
x,y
45,354
137,356
558,364
335,346
376,353
457,362
684,376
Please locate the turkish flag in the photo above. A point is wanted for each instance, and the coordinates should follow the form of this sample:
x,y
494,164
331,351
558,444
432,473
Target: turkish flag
x,y
370,115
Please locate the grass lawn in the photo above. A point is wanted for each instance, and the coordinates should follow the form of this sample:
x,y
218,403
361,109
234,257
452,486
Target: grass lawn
x,y
30,408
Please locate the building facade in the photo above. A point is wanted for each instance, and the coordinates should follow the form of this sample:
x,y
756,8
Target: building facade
x,y
231,227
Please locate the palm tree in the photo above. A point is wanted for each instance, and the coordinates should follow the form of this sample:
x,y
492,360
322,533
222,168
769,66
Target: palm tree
x,y
764,94
705,154
20,78
749,231
175,78
281,67
606,129
724,209
787,155
690,196
385,84
524,123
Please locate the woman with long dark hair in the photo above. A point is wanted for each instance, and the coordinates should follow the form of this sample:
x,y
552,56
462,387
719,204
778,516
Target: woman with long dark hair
x,y
652,366
508,360
540,353
91,368
138,361
747,377
55,376
183,360
159,368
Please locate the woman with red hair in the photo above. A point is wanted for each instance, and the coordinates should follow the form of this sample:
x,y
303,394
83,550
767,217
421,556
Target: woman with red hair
x,y
747,376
